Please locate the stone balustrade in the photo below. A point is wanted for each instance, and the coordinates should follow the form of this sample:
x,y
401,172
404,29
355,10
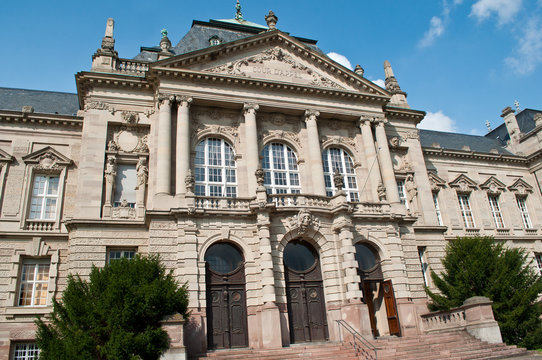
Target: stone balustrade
x,y
221,203
297,200
475,316
132,67
40,225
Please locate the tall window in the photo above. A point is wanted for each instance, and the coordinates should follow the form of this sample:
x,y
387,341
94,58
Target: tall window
x,y
338,160
281,171
44,197
466,211
437,208
496,211
27,351
522,205
215,170
538,259
424,264
116,254
33,282
402,192
125,184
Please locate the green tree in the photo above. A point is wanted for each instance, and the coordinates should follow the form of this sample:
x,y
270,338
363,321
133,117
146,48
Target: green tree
x,y
115,315
479,266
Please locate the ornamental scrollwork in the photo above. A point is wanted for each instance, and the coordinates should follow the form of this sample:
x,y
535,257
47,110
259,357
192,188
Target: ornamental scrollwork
x,y
304,221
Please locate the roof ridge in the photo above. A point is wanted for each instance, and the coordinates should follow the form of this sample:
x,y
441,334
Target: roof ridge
x,y
36,90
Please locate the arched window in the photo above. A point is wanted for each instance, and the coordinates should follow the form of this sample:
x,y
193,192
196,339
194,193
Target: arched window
x,y
336,159
223,257
214,169
281,171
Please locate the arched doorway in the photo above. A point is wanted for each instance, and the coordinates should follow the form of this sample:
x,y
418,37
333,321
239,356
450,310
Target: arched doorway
x,y
377,293
304,293
226,297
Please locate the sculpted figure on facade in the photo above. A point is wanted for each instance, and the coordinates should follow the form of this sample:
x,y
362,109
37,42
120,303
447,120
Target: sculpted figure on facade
x,y
305,221
260,177
338,180
142,173
111,169
189,182
411,193
381,190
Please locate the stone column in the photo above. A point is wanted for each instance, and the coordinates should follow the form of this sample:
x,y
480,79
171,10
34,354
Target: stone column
x,y
388,175
163,161
251,148
315,155
183,143
370,154
343,227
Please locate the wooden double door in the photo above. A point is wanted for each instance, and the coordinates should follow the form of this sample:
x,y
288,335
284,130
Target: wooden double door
x,y
306,305
388,297
226,309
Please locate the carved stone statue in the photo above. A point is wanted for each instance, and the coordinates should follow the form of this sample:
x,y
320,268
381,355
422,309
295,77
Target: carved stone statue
x,y
189,182
260,177
142,173
411,193
304,221
110,169
112,146
381,190
338,180
271,20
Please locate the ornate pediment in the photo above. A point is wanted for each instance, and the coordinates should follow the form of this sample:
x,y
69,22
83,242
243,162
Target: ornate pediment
x,y
463,183
47,159
5,157
493,185
436,182
520,187
276,64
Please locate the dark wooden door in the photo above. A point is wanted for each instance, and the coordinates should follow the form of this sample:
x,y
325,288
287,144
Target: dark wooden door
x,y
368,288
306,305
391,308
226,309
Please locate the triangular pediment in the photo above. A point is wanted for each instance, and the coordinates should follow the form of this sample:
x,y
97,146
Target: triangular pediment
x,y
520,187
493,185
47,158
436,182
5,157
463,183
272,57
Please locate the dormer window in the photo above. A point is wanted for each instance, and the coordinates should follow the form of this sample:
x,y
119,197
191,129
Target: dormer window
x,y
215,40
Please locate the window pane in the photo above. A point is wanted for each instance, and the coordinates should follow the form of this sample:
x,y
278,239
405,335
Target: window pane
x,y
33,283
223,257
125,183
338,160
26,352
215,162
281,177
52,188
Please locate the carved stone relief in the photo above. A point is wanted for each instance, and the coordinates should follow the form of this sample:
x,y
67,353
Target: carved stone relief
x,y
214,129
330,140
99,105
269,135
128,139
304,221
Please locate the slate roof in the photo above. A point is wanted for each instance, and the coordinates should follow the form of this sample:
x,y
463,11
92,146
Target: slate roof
x,y
47,102
526,124
454,141
201,32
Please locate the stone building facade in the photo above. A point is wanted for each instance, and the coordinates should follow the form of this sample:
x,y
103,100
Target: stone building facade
x,y
287,191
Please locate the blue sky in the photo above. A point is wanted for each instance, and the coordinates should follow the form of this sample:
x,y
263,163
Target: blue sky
x,y
461,61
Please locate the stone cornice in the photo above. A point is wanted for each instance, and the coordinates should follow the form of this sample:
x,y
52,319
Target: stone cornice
x,y
474,155
407,114
41,119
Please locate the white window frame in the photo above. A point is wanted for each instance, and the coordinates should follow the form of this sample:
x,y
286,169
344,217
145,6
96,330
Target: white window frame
x,y
437,208
496,211
424,265
347,170
128,253
42,198
287,166
34,265
538,261
401,189
521,201
118,202
228,188
25,351
466,210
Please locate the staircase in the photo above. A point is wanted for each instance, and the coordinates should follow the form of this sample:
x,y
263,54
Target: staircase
x,y
450,346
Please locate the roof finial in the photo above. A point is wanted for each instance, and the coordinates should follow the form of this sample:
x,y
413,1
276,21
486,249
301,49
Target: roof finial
x,y
516,104
238,14
488,124
163,32
271,20
392,85
108,42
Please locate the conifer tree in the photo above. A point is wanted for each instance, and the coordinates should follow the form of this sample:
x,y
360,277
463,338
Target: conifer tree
x,y
479,266
115,315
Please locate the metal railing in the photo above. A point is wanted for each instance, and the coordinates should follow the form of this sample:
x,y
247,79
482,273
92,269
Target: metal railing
x,y
362,346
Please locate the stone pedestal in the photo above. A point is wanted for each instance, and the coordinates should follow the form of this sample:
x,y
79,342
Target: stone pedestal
x,y
173,325
271,330
480,321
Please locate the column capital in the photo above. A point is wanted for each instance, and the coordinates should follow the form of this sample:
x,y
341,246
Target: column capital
x,y
183,100
250,107
167,99
380,121
311,114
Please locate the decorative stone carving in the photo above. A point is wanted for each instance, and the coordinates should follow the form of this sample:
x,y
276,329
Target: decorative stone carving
x,y
142,173
269,135
130,117
99,105
123,211
493,186
538,119
129,139
411,194
520,187
414,134
201,130
271,20
110,169
112,146
189,182
405,164
245,67
248,107
47,162
381,190
435,181
395,141
338,180
304,221
327,141
260,177
463,184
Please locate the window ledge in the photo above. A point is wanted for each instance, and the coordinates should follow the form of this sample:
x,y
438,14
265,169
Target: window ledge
x,y
40,224
12,311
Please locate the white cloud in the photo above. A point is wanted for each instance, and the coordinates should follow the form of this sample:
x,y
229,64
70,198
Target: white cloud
x,y
380,83
437,121
341,59
504,9
436,29
529,53
476,132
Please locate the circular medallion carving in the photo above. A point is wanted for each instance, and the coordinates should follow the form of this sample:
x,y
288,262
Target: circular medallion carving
x,y
236,296
127,141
